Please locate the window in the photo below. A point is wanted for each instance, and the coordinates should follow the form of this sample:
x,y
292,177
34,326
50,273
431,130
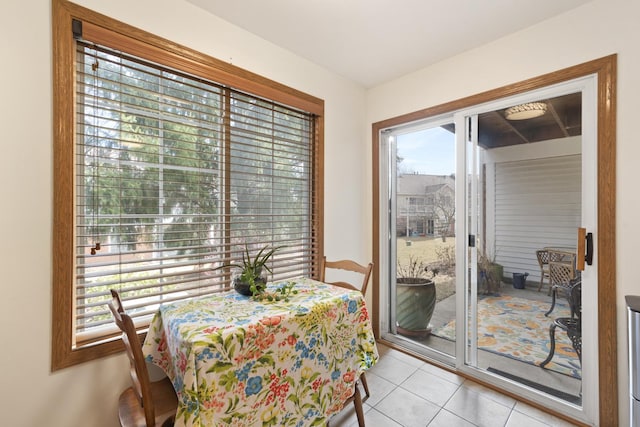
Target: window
x,y
416,201
176,169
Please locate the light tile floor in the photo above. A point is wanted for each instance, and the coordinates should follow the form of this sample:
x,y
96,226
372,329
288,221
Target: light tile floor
x,y
408,392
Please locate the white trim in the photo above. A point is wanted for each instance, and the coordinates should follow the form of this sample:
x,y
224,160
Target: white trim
x,y
385,204
590,346
590,396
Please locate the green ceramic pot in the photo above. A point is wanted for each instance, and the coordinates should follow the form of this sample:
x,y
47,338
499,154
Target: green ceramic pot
x,y
415,303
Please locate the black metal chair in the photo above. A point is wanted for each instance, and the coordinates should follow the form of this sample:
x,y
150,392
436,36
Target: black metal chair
x,y
571,325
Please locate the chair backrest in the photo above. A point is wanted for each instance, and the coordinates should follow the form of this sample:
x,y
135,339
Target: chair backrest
x,y
560,272
543,257
138,367
562,256
347,265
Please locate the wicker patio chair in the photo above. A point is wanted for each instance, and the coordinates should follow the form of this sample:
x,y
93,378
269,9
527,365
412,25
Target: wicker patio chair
x,y
543,261
562,276
560,255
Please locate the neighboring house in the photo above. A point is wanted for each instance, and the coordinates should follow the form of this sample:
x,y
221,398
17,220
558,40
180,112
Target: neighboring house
x,y
425,205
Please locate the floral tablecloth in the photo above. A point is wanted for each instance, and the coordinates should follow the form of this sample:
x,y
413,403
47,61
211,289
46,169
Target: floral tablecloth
x,y
235,361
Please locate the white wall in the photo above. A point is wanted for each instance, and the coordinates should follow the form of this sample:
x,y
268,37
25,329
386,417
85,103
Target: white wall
x,y
86,395
597,29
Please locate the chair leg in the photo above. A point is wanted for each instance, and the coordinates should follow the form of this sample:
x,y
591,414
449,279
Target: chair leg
x,y
552,349
541,281
363,379
553,301
357,402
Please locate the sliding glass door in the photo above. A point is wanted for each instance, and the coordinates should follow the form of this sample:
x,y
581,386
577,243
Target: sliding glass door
x,y
474,201
526,199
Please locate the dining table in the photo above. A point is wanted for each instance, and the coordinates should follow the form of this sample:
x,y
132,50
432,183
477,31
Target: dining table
x,y
238,360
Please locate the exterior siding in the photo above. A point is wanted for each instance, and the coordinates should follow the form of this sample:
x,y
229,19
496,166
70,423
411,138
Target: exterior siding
x,y
537,204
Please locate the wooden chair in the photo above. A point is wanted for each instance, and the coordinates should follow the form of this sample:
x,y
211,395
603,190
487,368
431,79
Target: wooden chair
x,y
365,271
543,261
145,403
562,275
347,265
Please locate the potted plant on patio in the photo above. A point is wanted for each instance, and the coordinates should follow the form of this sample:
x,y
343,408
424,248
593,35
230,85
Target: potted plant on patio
x,y
415,297
489,272
250,281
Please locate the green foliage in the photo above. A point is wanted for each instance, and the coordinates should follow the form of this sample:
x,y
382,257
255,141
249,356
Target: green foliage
x,y
228,378
251,268
152,163
283,293
151,154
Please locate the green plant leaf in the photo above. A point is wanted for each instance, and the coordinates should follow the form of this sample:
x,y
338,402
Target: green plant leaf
x,y
220,367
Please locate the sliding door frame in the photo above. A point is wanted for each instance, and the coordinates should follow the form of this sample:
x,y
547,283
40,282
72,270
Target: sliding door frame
x,y
605,70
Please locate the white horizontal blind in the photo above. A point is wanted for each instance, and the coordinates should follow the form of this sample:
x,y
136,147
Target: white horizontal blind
x,y
174,176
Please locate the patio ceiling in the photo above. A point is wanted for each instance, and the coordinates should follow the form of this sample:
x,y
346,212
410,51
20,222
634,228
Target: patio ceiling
x,y
563,119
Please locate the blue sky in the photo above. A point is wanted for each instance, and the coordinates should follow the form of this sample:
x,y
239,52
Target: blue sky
x,y
430,151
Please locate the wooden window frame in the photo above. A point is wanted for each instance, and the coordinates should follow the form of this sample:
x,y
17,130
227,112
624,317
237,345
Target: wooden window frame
x,y
156,49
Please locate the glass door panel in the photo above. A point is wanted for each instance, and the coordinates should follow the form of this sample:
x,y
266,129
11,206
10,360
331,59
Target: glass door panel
x,y
525,196
423,246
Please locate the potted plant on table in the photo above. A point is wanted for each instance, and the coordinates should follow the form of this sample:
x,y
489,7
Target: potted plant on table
x,y
415,297
251,281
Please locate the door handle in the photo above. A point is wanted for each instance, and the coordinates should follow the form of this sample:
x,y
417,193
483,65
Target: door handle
x,y
589,255
585,249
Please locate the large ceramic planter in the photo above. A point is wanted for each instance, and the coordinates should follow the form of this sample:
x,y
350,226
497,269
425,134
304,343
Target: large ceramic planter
x,y
415,303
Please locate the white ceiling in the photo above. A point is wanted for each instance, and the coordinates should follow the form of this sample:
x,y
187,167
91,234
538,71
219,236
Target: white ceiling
x,y
374,41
